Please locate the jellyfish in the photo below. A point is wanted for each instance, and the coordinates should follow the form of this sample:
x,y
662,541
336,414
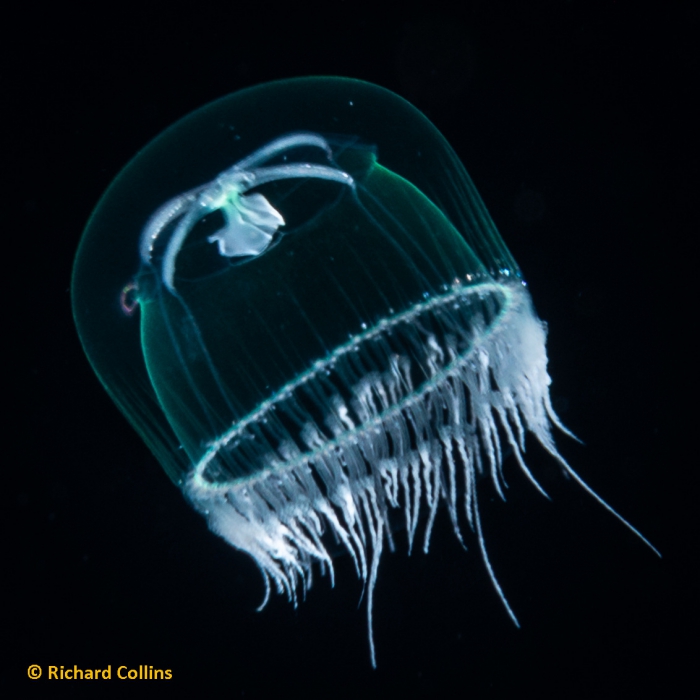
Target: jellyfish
x,y
298,299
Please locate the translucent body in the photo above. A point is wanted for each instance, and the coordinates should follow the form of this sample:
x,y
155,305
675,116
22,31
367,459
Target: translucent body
x,y
297,297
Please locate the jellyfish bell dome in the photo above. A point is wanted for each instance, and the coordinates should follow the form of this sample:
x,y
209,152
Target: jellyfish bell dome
x,y
335,239
298,299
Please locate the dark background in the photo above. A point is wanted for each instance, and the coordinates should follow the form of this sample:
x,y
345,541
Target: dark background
x,y
571,118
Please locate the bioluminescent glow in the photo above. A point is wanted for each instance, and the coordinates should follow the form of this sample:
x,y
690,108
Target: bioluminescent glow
x,y
298,299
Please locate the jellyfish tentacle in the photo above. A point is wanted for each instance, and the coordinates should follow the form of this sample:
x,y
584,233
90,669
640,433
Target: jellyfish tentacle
x,y
474,507
573,474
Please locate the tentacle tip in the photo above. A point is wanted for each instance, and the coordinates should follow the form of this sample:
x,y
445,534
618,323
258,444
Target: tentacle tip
x,y
653,549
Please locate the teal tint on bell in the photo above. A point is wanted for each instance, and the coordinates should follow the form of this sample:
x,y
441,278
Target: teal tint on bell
x,y
299,300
